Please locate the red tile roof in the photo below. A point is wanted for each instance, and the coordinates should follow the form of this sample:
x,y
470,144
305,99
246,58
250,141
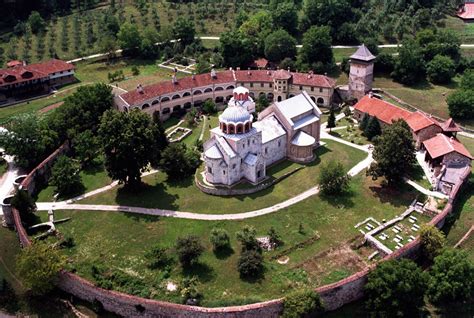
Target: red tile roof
x,y
418,121
467,11
239,76
450,126
19,73
383,110
261,63
282,75
441,145
158,89
14,63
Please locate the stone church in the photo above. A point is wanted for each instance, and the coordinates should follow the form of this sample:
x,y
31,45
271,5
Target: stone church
x,y
241,148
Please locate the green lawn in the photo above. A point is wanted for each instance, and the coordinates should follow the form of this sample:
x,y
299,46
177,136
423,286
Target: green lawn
x,y
3,166
467,142
119,242
340,54
464,30
92,178
185,196
352,134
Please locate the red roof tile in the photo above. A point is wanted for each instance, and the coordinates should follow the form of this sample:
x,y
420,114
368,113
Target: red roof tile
x,y
441,145
467,11
450,126
38,70
158,89
254,76
383,110
261,63
418,121
313,80
14,63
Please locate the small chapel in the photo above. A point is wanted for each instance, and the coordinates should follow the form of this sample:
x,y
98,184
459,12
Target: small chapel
x,y
243,148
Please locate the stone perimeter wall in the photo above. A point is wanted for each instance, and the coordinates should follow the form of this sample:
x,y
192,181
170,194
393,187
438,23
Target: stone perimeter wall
x,y
333,295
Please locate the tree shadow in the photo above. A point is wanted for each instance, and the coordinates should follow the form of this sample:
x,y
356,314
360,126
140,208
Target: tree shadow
x,y
202,271
148,196
224,252
255,279
397,196
340,200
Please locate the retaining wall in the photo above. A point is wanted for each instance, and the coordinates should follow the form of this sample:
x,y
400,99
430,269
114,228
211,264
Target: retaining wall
x,y
333,295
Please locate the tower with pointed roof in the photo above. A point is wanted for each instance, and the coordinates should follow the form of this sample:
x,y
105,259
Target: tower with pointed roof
x,y
361,74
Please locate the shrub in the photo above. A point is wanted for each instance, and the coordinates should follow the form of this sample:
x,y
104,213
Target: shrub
x,y
209,107
65,175
373,128
441,69
451,277
364,122
250,263
247,237
189,292
333,179
301,303
219,238
135,70
274,237
188,249
432,241
157,257
25,204
178,162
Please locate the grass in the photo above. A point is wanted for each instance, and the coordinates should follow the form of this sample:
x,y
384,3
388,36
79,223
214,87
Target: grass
x,y
341,53
353,135
92,178
185,196
3,166
464,30
120,241
467,142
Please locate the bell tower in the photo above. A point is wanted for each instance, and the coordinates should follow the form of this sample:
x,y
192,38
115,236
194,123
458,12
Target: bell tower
x,y
361,74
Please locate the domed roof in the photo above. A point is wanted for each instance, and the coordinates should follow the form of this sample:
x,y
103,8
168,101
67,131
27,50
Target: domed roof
x,y
235,114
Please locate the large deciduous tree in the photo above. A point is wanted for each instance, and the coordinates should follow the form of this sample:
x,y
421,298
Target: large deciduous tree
x,y
65,175
316,46
188,249
178,161
129,37
280,45
333,179
236,50
129,144
432,241
461,102
285,16
38,266
184,30
373,128
394,153
302,303
410,66
441,69
395,288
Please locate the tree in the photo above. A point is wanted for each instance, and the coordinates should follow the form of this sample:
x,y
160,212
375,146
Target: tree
x,y
373,128
441,69
461,104
178,161
316,46
467,80
209,107
331,120
38,266
409,66
236,50
86,147
432,241
261,103
333,179
285,16
364,122
129,37
384,63
394,153
128,141
280,45
65,175
255,30
274,237
451,277
184,30
25,204
157,257
302,303
29,139
148,47
250,263
36,22
188,249
395,288
247,238
108,45
328,12
220,239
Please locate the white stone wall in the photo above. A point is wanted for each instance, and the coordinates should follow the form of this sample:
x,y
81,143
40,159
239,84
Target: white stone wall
x,y
274,150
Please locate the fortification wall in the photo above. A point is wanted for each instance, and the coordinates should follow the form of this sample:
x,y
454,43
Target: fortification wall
x,y
333,295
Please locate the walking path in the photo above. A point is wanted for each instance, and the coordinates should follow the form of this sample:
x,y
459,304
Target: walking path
x,y
6,181
418,187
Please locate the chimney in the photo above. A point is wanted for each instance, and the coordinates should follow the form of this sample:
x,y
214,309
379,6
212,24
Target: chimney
x,y
193,76
213,74
140,88
238,68
174,80
249,73
451,139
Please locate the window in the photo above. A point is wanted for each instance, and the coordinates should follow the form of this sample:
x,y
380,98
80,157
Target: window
x,y
279,143
261,84
243,146
251,84
248,142
266,150
233,166
301,88
270,85
312,89
320,90
223,171
209,169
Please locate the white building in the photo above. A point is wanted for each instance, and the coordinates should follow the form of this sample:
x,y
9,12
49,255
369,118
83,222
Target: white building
x,y
240,148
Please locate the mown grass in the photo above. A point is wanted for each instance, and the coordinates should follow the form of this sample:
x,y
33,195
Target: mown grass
x,y
158,192
119,241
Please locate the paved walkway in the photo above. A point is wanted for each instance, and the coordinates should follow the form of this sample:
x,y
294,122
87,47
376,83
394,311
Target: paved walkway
x,y
6,181
418,187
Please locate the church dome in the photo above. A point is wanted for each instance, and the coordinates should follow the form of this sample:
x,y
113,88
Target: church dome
x,y
235,114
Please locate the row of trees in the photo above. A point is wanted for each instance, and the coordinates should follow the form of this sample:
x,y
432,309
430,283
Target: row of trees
x,y
461,102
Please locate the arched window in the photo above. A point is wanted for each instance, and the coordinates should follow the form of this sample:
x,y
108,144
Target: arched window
x,y
176,96
230,129
270,97
187,105
155,102
219,99
313,99
165,99
176,108
228,98
279,98
166,110
186,94
125,109
224,128
247,126
218,89
197,92
320,101
252,95
239,128
145,106
208,90
230,87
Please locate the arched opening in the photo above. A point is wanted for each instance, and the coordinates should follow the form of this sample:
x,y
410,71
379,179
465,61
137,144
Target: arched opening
x,y
187,105
125,109
270,97
155,102
219,99
230,87
176,96
218,89
313,99
228,98
165,99
186,94
208,90
252,95
165,110
176,108
230,129
279,98
145,106
261,93
240,128
320,101
198,103
197,92
247,126
224,128
291,95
